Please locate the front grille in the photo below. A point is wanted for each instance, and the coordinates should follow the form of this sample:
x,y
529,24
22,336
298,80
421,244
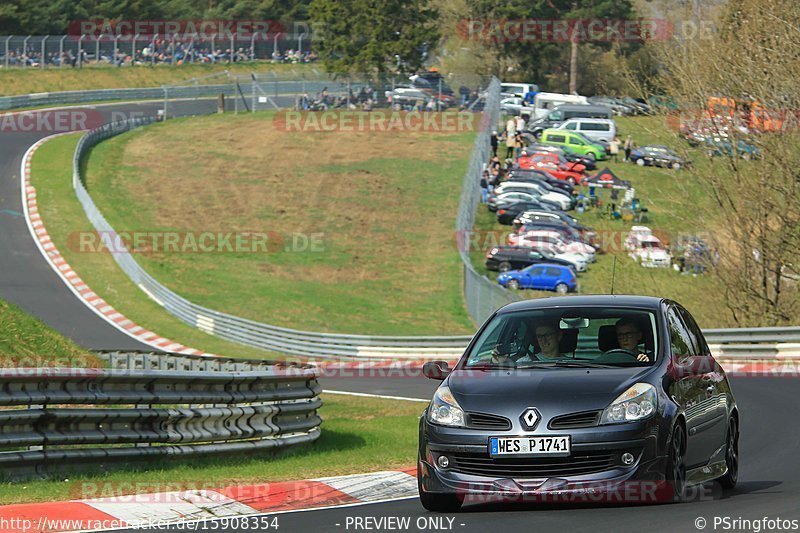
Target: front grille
x,y
584,419
532,467
484,421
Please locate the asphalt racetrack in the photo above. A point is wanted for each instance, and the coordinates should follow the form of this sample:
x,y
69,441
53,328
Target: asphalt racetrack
x,y
768,489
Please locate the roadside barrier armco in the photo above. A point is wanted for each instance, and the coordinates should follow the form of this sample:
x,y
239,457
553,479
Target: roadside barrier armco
x,y
107,416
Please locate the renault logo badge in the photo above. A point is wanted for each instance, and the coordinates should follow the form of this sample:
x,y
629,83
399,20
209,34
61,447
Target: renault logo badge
x,y
530,418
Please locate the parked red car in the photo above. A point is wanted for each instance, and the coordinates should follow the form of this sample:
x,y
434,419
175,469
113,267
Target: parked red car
x,y
561,160
555,169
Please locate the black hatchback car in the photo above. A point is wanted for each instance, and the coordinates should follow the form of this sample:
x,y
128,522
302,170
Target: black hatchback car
x,y
505,258
569,396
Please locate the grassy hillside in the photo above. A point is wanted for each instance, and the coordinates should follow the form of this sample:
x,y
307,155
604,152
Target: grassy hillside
x,y
360,224
32,80
65,221
27,341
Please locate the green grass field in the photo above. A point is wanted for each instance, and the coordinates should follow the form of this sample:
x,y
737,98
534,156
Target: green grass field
x,y
32,80
381,207
64,218
678,203
27,341
358,435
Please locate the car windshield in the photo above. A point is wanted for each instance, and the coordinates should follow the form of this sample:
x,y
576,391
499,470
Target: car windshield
x,y
579,337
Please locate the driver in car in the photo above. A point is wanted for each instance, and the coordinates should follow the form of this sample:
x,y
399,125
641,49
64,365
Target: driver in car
x,y
629,335
548,337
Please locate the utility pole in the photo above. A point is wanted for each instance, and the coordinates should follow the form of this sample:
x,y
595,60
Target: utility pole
x,y
573,56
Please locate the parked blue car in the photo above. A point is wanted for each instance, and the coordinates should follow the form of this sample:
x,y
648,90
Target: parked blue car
x,y
542,277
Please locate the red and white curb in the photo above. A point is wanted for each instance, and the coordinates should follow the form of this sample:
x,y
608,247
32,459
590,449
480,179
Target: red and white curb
x,y
139,510
73,281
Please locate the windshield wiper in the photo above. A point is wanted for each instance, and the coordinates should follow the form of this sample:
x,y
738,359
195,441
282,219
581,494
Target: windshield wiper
x,y
581,364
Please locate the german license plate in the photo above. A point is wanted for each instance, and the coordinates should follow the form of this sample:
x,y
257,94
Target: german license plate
x,y
536,446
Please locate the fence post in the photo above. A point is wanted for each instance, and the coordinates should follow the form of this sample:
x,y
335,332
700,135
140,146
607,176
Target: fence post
x,y
80,51
44,52
25,51
7,51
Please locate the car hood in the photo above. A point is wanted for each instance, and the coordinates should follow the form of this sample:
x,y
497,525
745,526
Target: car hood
x,y
572,257
553,391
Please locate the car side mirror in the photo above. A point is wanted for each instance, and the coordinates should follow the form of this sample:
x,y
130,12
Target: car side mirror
x,y
436,370
692,365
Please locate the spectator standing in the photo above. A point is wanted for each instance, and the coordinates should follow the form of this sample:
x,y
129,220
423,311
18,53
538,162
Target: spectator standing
x,y
464,92
613,148
511,127
628,148
493,141
520,124
484,187
520,142
511,144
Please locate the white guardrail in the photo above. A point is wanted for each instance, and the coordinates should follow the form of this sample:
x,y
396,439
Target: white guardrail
x,y
482,296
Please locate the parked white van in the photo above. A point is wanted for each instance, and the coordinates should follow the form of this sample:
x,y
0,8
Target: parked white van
x,y
546,102
597,129
519,90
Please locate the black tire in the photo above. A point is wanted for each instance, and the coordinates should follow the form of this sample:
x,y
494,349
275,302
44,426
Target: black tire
x,y
562,288
591,156
728,481
513,284
504,266
676,464
437,502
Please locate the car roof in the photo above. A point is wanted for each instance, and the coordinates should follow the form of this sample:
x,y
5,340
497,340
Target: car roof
x,y
594,300
580,107
588,119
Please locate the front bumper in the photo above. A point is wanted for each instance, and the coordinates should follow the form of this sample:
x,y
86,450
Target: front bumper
x,y
603,473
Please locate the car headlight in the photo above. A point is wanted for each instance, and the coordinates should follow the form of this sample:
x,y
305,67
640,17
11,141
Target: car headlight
x,y
444,409
636,403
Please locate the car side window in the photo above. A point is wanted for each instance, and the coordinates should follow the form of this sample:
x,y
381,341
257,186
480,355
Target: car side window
x,y
535,255
570,126
679,338
552,272
575,141
694,330
556,138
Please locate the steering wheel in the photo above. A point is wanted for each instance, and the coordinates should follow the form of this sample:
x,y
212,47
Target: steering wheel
x,y
622,351
510,358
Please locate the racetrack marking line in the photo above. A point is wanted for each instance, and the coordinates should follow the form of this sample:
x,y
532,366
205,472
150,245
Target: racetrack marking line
x,y
184,505
198,506
381,396
323,508
70,278
374,486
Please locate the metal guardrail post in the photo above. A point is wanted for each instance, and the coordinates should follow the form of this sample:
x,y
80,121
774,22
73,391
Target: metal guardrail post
x,y
44,52
61,52
6,58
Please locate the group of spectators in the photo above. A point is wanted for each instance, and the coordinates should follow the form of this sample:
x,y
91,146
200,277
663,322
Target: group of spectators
x,y
153,52
493,176
364,98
